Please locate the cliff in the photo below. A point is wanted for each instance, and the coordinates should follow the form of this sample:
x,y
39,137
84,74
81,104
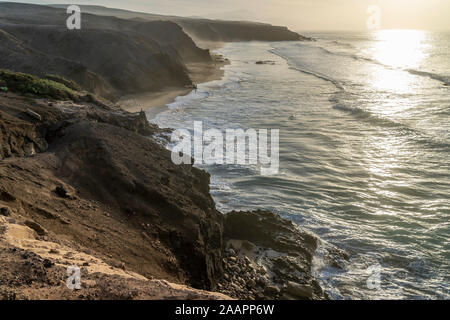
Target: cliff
x,y
207,29
83,183
116,52
108,56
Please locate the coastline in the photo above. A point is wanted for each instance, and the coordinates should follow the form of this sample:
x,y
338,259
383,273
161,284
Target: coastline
x,y
156,102
94,205
119,209
87,187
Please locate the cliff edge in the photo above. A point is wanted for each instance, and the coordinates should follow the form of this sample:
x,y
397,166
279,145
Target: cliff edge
x,y
83,182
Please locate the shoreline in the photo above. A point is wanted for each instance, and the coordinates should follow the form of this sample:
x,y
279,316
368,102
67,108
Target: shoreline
x,y
155,102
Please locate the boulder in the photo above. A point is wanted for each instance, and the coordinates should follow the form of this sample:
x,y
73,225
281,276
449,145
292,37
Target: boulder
x,y
5,211
269,230
272,291
285,254
62,192
302,291
6,196
36,227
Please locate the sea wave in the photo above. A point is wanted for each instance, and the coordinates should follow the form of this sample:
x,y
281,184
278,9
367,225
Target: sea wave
x,y
439,77
416,135
335,82
353,56
445,79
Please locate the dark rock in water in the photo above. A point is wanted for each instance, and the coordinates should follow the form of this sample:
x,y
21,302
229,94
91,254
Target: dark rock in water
x,y
266,62
336,258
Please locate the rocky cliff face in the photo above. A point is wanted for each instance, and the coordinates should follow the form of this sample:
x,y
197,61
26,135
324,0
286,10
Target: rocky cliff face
x,y
108,56
231,31
123,198
116,52
268,257
82,183
207,29
34,268
17,56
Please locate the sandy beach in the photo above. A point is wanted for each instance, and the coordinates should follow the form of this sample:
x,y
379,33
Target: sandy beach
x,y
155,102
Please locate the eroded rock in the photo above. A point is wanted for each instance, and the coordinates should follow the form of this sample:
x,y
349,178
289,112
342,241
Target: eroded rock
x,y
271,254
36,227
299,290
5,211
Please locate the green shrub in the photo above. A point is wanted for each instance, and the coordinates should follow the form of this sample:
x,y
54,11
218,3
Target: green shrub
x,y
68,83
29,84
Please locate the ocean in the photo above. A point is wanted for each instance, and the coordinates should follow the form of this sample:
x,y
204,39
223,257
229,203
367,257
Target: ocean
x,y
364,122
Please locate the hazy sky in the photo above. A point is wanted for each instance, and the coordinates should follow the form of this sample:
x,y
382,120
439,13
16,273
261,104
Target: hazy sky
x,y
298,14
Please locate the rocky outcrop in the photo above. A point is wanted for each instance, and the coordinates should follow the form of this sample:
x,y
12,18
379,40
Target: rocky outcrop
x,y
231,31
268,257
22,134
133,175
32,268
161,217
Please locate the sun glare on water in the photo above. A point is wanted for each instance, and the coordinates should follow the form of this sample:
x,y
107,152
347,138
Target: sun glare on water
x,y
400,48
398,51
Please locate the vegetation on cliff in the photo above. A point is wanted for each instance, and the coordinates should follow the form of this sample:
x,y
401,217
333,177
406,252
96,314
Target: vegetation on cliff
x,y
31,85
